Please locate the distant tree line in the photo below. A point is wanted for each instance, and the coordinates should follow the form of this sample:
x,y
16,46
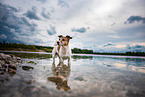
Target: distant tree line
x,y
129,53
6,45
86,51
45,48
18,46
135,53
82,51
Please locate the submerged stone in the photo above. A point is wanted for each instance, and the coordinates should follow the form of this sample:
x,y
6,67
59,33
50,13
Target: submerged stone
x,y
56,79
79,78
18,58
28,68
32,62
11,71
13,66
1,72
4,65
29,81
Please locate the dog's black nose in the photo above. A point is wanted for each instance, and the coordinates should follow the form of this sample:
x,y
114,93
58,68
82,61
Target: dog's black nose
x,y
57,42
63,39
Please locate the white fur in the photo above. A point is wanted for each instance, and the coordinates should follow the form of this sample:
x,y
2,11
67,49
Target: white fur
x,y
64,53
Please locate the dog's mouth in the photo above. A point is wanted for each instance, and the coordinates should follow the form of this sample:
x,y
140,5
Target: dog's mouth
x,y
59,43
63,43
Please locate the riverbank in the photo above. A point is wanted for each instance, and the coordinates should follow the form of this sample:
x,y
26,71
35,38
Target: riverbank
x,y
73,55
8,63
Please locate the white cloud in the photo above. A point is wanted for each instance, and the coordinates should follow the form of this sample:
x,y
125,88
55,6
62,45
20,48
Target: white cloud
x,y
113,36
12,30
120,46
3,36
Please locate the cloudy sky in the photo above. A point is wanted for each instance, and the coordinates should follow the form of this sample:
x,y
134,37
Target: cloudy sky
x,y
101,25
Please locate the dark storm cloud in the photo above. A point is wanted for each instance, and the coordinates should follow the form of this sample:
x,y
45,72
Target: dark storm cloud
x,y
131,33
108,44
80,30
6,8
8,19
31,14
26,21
45,14
42,1
6,12
136,48
133,19
62,3
128,47
13,8
51,30
12,26
32,26
113,24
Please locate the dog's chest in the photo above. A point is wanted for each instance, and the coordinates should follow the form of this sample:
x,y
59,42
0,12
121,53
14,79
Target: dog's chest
x,y
64,52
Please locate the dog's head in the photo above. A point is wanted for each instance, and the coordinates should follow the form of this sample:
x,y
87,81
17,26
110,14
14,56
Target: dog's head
x,y
63,40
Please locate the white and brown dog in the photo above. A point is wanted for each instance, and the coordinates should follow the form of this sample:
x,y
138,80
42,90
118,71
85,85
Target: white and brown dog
x,y
62,49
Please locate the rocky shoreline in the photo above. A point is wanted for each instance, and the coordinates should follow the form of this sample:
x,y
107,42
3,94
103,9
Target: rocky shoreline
x,y
8,63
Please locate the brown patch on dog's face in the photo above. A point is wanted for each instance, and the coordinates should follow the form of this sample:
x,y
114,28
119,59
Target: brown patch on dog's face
x,y
64,40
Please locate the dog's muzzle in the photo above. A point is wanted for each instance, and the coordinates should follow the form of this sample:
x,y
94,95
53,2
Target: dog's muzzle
x,y
59,43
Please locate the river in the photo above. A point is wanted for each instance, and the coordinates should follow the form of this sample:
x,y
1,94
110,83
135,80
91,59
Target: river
x,y
87,76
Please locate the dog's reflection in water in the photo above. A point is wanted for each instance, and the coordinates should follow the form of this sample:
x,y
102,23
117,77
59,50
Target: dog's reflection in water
x,y
61,74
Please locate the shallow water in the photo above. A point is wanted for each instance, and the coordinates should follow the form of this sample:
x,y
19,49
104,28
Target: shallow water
x,y
87,76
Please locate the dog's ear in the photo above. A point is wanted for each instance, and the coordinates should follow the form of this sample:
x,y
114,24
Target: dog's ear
x,y
69,37
60,36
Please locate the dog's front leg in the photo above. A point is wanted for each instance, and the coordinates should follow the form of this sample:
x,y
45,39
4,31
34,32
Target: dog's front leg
x,y
53,67
53,60
69,61
60,60
53,56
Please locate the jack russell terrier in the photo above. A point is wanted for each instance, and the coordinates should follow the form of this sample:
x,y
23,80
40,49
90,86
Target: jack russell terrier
x,y
62,49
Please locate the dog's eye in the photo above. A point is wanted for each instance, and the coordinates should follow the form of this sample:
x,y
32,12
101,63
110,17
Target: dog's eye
x,y
63,39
